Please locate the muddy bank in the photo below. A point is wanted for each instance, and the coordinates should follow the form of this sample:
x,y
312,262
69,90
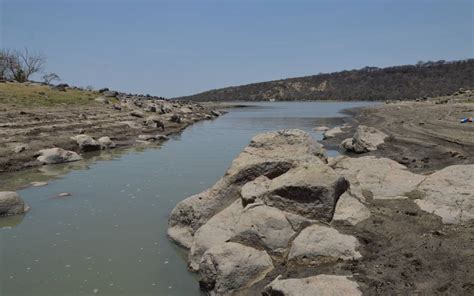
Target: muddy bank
x,y
127,120
425,135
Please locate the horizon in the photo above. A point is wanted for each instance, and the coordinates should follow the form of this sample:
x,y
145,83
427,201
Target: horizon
x,y
209,47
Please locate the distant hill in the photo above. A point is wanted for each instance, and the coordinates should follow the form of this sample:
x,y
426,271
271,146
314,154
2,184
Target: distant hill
x,y
369,83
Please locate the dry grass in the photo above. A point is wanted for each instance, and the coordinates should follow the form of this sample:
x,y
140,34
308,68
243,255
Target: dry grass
x,y
16,94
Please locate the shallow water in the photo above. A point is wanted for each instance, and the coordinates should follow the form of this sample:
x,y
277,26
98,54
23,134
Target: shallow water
x,y
109,236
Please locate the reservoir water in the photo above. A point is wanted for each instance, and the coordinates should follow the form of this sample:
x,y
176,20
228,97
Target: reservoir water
x,y
109,236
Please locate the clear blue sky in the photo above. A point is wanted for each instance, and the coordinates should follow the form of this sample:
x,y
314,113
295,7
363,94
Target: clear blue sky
x,y
174,48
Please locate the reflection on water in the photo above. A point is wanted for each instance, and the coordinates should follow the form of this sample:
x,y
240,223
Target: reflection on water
x,y
109,236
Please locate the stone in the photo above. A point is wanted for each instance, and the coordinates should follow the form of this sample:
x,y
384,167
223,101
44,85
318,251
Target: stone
x,y
215,113
319,244
11,204
38,184
378,178
64,194
110,94
162,137
155,121
231,267
252,190
321,128
137,113
332,132
269,154
149,138
350,210
320,285
309,190
175,118
57,155
86,143
106,143
132,124
365,139
21,148
449,193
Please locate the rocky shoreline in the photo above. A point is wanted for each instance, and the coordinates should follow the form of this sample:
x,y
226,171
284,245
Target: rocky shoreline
x,y
36,135
285,219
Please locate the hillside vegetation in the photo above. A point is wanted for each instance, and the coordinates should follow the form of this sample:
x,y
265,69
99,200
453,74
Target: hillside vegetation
x,y
370,83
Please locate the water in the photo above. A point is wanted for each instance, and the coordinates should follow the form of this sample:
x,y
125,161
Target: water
x,y
109,236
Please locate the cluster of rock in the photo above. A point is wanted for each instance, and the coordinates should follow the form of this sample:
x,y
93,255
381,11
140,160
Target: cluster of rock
x,y
274,209
271,208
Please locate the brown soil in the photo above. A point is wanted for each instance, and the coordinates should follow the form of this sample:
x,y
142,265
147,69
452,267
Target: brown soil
x,y
424,136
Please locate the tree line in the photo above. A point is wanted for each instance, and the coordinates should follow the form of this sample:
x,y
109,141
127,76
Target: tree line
x,y
425,79
20,65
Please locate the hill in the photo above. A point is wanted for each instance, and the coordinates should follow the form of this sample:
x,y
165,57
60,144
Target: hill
x,y
370,83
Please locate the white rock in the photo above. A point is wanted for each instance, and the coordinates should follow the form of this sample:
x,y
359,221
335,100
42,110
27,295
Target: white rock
x,y
350,209
11,203
321,243
332,132
320,285
57,155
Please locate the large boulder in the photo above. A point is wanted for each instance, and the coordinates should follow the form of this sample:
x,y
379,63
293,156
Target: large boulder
x,y
365,139
230,267
11,204
309,190
318,243
269,154
320,285
86,143
57,155
378,178
449,193
253,190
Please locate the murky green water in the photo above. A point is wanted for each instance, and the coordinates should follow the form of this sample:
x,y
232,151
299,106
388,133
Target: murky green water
x,y
109,236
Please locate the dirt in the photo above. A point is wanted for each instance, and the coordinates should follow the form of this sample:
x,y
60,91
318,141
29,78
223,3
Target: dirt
x,y
46,127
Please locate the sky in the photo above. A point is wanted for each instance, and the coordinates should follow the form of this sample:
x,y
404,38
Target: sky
x,y
176,48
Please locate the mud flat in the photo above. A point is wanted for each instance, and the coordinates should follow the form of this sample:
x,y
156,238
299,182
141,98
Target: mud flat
x,y
285,219
425,135
35,117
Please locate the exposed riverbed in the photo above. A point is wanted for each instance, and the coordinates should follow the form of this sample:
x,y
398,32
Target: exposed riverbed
x,y
109,236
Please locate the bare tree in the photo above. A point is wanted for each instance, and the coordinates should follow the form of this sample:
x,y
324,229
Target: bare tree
x,y
48,78
20,65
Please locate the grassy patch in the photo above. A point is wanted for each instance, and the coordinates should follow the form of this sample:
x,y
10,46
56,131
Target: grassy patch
x,y
41,95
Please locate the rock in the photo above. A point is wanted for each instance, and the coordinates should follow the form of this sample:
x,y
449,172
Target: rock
x,y
155,121
230,267
38,184
57,155
321,128
378,178
365,139
185,110
61,87
110,94
64,194
11,204
162,137
86,143
215,113
254,189
149,138
309,190
350,209
117,107
269,154
319,244
102,90
321,285
137,113
20,148
102,100
106,143
175,118
449,193
132,124
332,132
